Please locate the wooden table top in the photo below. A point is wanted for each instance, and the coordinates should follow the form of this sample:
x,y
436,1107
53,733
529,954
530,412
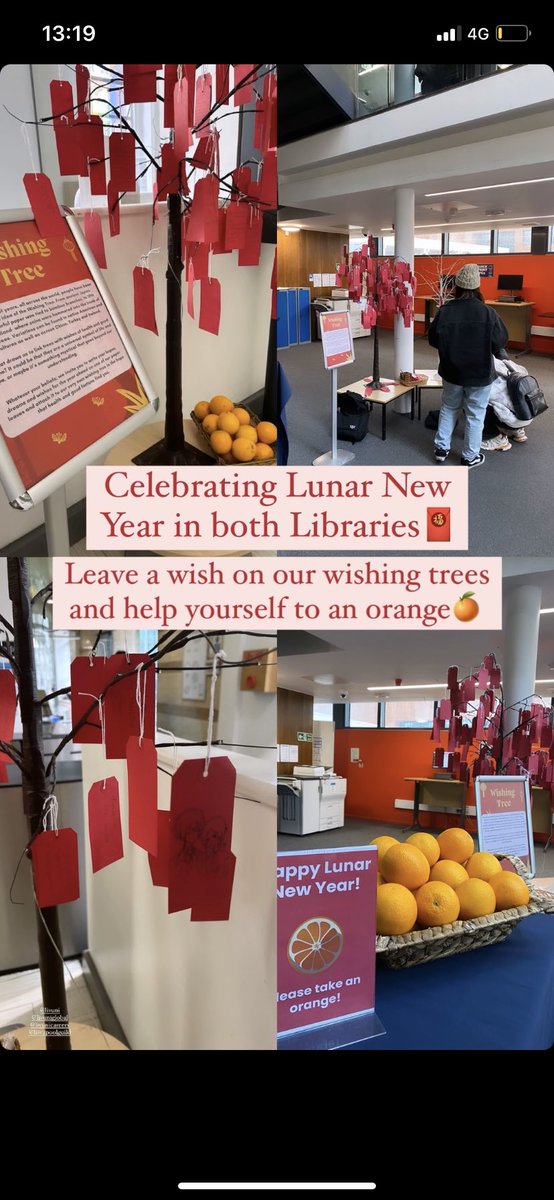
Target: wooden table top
x,y
427,779
433,378
379,397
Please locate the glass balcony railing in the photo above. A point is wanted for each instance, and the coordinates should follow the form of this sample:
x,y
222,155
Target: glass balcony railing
x,y
377,86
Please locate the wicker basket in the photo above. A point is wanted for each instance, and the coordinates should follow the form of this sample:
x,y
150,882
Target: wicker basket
x,y
254,420
424,945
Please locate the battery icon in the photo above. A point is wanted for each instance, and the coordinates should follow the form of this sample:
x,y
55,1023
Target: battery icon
x,y
512,33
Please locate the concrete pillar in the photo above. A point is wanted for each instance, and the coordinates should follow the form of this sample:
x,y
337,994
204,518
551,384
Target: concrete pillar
x,y
521,638
404,82
404,203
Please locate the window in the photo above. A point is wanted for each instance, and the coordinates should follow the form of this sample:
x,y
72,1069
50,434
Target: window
x,y
427,243
551,238
388,245
364,716
322,712
515,241
469,241
409,714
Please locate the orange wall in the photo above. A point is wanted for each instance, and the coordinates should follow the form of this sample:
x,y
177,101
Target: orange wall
x,y
387,756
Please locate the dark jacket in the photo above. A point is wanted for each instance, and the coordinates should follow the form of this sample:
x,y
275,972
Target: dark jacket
x,y
466,334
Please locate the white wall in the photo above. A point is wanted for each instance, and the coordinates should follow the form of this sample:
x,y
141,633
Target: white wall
x,y
177,985
246,718
16,94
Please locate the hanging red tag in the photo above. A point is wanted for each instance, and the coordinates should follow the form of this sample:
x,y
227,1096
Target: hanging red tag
x,y
143,289
104,823
236,226
92,228
113,210
216,905
159,863
200,830
205,152
139,82
122,161
71,158
61,98
190,289
88,676
142,785
250,255
97,177
170,79
46,210
222,82
210,305
219,246
181,118
203,98
203,225
8,703
245,91
168,175
55,859
199,258
268,180
82,77
122,715
90,131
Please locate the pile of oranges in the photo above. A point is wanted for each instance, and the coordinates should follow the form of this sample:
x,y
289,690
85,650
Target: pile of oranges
x,y
231,433
427,881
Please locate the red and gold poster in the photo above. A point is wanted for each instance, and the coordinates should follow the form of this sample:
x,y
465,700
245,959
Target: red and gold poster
x,y
66,378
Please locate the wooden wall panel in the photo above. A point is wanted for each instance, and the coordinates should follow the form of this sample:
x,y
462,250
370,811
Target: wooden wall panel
x,y
307,252
295,714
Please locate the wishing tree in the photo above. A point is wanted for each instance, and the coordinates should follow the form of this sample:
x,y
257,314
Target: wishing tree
x,y
113,706
386,285
438,281
519,736
208,213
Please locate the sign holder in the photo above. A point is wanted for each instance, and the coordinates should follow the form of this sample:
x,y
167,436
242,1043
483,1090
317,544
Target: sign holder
x,y
338,350
50,490
504,825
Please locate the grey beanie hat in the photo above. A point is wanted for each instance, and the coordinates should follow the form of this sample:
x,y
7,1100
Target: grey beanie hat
x,y
468,277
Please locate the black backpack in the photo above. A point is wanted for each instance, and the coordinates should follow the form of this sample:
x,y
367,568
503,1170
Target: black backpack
x,y
526,396
352,417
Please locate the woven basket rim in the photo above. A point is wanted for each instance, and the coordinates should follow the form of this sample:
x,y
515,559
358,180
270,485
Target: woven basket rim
x,y
254,420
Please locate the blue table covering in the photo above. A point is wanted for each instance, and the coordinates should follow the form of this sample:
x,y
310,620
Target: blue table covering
x,y
498,998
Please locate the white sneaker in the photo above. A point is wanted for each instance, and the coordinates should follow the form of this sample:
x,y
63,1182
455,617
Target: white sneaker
x,y
497,443
518,435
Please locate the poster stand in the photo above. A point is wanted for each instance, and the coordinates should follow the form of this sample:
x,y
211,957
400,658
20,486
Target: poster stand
x,y
338,351
56,524
334,1035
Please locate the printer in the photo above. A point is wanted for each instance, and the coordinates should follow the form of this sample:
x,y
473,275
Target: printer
x,y
310,802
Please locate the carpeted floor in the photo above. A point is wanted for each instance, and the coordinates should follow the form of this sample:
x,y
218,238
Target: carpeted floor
x,y
510,495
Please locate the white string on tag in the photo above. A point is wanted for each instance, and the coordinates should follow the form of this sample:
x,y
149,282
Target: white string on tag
x,y
141,701
93,653
127,659
50,814
100,704
218,658
170,734
27,140
143,259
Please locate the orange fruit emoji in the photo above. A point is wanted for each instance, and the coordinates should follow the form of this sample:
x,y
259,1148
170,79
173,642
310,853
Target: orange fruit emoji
x,y
315,945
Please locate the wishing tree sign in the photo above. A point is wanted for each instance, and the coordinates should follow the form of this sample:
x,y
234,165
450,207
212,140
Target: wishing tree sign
x,y
495,736
386,285
208,214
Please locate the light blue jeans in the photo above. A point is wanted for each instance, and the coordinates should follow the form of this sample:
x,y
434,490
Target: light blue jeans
x,y
473,400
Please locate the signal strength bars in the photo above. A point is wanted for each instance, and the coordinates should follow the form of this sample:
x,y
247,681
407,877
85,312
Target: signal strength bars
x,y
450,35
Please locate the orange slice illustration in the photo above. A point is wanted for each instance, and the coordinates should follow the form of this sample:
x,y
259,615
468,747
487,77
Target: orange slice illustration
x,y
315,945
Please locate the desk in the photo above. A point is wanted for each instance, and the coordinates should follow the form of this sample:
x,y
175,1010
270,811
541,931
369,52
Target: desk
x,y
516,317
439,794
497,998
383,398
434,382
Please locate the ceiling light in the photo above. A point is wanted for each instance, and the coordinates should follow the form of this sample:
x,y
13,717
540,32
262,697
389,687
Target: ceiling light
x,y
482,221
410,687
544,681
290,228
486,187
324,680
365,68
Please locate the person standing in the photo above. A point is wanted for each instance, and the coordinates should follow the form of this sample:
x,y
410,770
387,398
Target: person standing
x,y
467,333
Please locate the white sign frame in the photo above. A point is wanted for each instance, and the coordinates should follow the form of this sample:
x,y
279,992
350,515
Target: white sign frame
x,y
323,317
23,498
480,779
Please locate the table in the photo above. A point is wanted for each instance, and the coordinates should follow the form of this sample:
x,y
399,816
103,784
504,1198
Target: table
x,y
516,317
497,998
383,398
435,787
434,382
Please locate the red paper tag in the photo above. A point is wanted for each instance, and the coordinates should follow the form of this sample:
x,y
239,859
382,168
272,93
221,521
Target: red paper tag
x,y
181,117
121,710
142,784
139,82
97,176
61,97
206,152
90,132
170,79
159,863
210,305
71,157
113,210
45,207
250,255
168,176
8,703
222,81
92,228
55,859
203,225
90,677
219,246
203,98
122,161
82,77
199,257
200,829
244,93
104,823
268,180
143,288
438,524
217,905
236,225
190,289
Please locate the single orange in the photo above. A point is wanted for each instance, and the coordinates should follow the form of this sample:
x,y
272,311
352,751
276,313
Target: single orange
x,y
427,844
229,423
510,890
446,871
243,450
221,404
456,844
221,442
437,904
482,866
406,865
477,899
243,416
248,431
315,945
383,844
267,432
380,880
396,909
210,423
201,409
263,453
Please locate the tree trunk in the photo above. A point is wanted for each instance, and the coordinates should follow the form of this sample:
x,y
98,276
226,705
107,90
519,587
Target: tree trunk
x,y
174,434
35,792
376,364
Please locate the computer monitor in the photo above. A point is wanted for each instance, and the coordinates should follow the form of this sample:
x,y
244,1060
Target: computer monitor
x,y
510,283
